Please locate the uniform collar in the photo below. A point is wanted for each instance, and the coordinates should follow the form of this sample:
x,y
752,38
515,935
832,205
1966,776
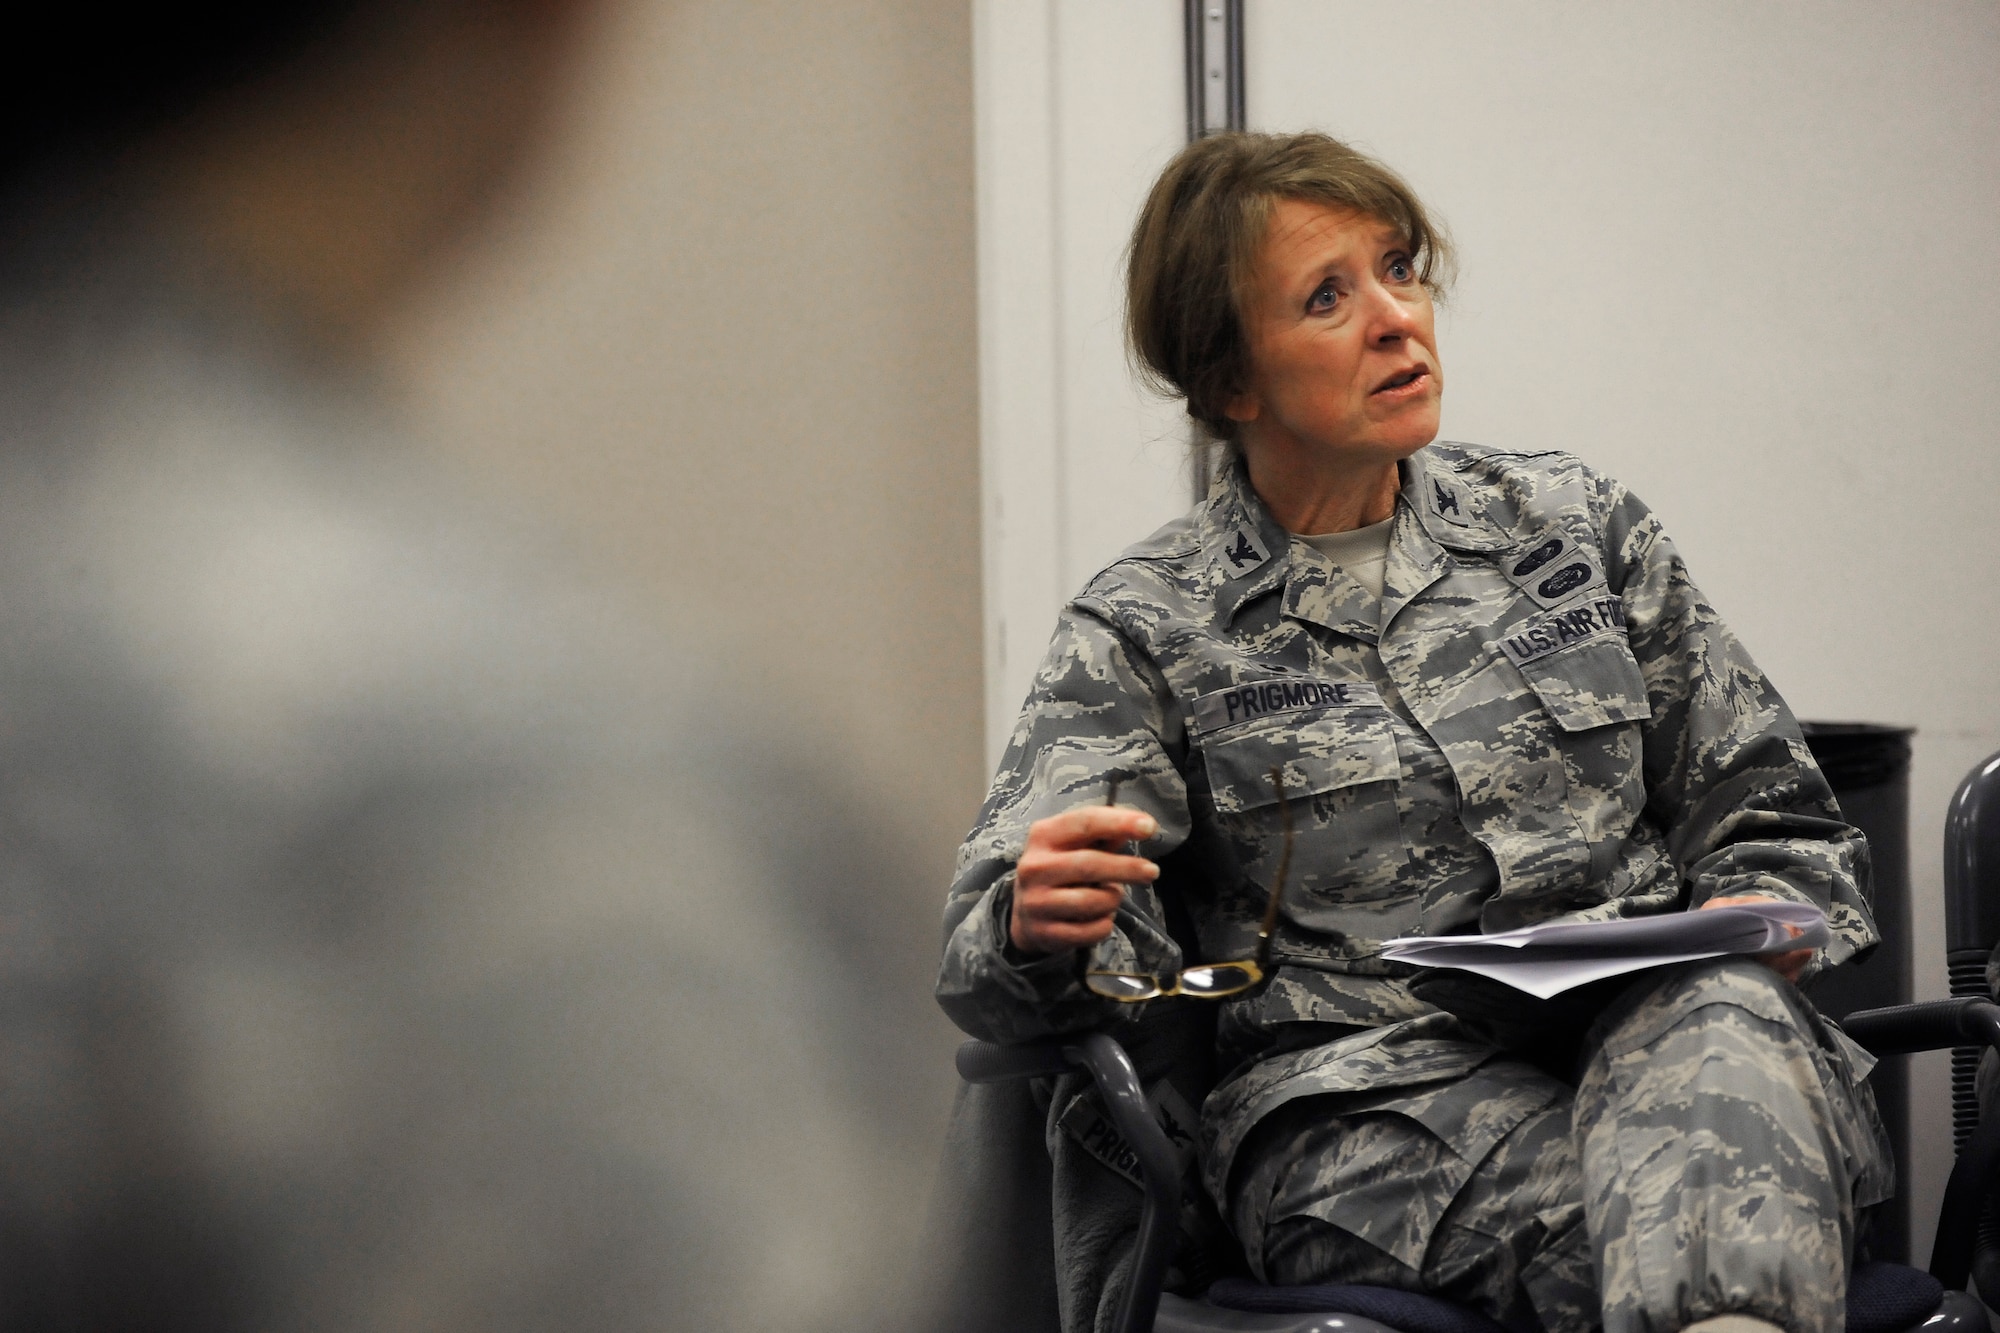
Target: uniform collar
x,y
1450,512
1321,592
1249,553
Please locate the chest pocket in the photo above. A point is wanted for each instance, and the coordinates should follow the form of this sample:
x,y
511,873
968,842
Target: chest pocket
x,y
1316,752
1340,770
1589,690
1592,684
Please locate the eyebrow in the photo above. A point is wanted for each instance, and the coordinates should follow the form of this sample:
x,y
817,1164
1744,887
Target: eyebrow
x,y
1314,276
1391,242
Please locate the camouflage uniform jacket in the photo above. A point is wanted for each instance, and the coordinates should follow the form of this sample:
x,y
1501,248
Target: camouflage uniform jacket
x,y
1540,717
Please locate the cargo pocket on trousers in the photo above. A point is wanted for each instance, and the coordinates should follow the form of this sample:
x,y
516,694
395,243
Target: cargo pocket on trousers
x,y
1386,1167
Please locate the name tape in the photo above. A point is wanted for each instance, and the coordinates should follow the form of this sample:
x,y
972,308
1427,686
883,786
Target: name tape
x,y
1267,698
1085,1121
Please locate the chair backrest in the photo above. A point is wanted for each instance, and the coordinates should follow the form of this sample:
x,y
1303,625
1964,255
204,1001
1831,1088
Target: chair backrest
x,y
1972,864
1971,930
1971,912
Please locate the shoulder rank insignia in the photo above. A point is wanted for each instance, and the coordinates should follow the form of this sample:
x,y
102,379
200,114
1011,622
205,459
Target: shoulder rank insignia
x,y
1447,501
1241,553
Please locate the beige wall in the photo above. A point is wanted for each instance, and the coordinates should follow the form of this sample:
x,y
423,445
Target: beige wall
x,y
727,336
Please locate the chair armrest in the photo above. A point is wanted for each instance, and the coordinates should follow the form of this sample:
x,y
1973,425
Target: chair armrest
x,y
1904,1028
1117,1080
989,1062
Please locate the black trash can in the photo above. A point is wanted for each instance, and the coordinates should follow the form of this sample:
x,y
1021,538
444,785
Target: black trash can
x,y
1868,766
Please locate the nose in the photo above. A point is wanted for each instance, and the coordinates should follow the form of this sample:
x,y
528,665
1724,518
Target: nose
x,y
1392,318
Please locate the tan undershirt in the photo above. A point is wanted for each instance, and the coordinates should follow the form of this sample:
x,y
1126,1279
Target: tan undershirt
x,y
1363,553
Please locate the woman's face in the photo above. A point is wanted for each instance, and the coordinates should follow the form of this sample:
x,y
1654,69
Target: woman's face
x,y
1343,354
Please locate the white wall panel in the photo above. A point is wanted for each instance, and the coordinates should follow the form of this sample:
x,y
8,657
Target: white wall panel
x,y
1743,256
1079,104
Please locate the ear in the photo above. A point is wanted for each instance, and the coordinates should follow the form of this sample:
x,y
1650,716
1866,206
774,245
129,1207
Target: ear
x,y
1244,407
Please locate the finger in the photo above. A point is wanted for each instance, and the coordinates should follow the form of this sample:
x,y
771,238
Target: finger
x,y
1082,903
1045,920
1056,936
1788,964
1087,825
1083,867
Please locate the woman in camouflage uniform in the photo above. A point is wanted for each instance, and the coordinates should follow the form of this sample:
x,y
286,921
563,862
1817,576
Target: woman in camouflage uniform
x,y
1493,697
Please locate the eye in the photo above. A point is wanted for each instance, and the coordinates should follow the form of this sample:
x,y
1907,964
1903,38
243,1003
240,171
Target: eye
x,y
1324,298
1401,269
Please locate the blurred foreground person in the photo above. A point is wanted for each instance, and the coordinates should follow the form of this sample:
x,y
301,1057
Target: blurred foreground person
x,y
391,933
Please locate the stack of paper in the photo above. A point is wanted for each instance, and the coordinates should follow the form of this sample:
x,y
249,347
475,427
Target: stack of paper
x,y
1547,960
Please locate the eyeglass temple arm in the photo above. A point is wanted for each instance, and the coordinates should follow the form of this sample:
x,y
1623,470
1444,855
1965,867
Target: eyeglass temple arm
x,y
1284,869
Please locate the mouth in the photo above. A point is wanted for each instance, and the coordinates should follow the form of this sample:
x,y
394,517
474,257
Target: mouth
x,y
1403,381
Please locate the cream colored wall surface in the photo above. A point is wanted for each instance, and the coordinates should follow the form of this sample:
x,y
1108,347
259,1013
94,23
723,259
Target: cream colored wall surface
x,y
1079,106
727,338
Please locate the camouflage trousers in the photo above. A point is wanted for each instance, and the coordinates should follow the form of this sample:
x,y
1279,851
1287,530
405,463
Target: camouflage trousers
x,y
1713,1158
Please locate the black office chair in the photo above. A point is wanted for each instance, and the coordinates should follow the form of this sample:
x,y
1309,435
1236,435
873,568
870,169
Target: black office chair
x,y
1882,1297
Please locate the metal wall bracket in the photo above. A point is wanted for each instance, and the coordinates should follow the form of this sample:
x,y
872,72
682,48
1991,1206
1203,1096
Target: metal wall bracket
x,y
1214,103
1214,66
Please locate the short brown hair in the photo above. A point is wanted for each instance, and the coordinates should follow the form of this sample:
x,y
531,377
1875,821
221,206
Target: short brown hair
x,y
1200,231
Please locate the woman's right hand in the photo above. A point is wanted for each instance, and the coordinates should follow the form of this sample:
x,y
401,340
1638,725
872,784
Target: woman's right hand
x,y
1068,883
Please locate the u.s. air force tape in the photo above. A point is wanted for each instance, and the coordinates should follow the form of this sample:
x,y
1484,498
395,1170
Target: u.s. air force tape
x,y
1290,694
1557,630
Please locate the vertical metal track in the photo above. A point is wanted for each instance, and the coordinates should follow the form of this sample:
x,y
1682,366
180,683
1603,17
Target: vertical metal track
x,y
1214,66
1214,103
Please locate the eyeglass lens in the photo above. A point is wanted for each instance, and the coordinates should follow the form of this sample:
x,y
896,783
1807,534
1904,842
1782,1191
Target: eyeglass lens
x,y
1209,981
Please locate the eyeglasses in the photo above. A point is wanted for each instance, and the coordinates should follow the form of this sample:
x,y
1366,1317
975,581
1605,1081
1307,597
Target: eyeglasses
x,y
1208,981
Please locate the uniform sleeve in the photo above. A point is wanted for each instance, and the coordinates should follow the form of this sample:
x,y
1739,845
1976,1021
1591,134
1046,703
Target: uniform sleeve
x,y
1728,776
1099,709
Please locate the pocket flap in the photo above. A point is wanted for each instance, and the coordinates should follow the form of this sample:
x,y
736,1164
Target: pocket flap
x,y
1590,684
1317,752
